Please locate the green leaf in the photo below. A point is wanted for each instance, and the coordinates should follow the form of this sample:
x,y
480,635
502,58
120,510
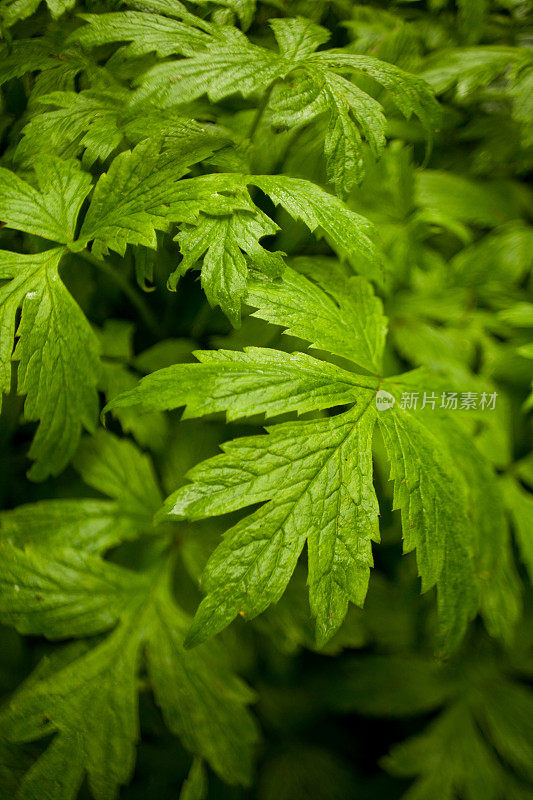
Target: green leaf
x,y
522,95
147,32
97,122
333,310
201,700
13,11
195,787
472,18
316,493
86,120
482,729
314,477
349,233
91,525
299,37
88,699
455,756
233,65
63,593
130,201
343,147
222,241
52,209
139,195
59,7
227,66
323,91
119,374
463,199
23,55
57,355
222,221
461,542
256,381
411,94
520,507
244,9
79,693
86,693
499,585
117,468
470,68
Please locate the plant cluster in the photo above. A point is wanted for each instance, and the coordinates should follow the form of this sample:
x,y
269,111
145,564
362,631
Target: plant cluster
x,y
266,317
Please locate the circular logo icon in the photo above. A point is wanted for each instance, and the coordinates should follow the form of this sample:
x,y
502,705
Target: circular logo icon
x,y
384,400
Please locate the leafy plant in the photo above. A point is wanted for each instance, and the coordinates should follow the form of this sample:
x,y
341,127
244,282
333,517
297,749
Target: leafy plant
x,y
344,179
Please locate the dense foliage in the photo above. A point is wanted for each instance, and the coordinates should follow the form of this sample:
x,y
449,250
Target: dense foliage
x,y
224,214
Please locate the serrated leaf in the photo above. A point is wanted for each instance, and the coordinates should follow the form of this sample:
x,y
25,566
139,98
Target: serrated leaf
x,y
243,384
147,33
61,593
343,148
349,233
318,495
318,91
57,355
51,210
80,120
201,701
132,200
222,242
434,519
410,93
224,68
236,66
95,690
221,218
86,694
314,478
128,203
297,38
90,703
333,310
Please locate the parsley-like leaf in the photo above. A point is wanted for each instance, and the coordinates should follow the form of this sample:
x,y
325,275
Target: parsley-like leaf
x,y
51,210
57,355
86,693
315,477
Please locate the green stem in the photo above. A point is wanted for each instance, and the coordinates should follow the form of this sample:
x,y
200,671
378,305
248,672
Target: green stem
x,y
261,110
145,312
